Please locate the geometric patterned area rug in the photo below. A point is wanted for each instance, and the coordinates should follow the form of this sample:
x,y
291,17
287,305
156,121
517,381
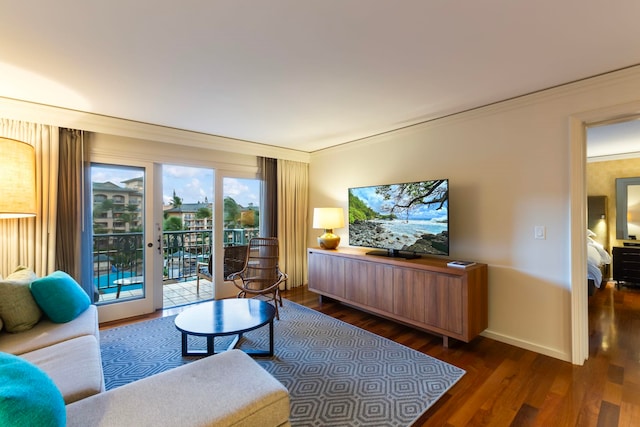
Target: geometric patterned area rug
x,y
337,374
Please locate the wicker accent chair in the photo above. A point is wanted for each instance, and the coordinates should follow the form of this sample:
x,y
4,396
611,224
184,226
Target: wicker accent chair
x,y
261,275
234,260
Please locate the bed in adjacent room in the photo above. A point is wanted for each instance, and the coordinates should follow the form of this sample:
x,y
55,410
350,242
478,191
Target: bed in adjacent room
x,y
597,260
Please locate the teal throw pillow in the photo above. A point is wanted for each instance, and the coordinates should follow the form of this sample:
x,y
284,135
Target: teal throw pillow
x,y
60,296
28,397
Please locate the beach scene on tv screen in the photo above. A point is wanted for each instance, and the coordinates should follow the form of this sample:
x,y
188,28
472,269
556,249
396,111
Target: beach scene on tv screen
x,y
411,217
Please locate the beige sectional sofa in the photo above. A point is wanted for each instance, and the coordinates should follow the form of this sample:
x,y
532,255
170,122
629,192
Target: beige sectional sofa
x,y
68,352
228,389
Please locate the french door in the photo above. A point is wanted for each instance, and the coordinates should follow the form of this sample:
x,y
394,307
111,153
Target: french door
x,y
126,238
133,246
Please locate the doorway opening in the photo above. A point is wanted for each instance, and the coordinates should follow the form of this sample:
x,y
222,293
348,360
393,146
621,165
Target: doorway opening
x,y
189,231
612,151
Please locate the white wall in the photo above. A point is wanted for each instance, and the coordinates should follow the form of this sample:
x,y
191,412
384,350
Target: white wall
x,y
509,167
148,150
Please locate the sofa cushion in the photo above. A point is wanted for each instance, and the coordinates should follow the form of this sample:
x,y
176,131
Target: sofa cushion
x,y
60,296
75,366
18,310
28,397
228,389
47,333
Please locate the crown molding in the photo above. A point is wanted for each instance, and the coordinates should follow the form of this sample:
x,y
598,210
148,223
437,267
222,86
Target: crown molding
x,y
55,116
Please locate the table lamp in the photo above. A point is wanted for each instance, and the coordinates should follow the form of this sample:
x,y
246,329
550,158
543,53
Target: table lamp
x,y
17,179
328,219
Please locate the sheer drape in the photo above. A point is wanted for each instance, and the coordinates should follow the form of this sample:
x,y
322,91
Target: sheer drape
x,y
31,241
267,169
293,201
70,207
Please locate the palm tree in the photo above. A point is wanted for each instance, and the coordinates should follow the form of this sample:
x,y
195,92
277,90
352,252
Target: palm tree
x,y
176,201
203,213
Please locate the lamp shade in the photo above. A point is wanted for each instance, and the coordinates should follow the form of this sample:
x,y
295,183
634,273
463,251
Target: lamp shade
x,y
328,218
17,179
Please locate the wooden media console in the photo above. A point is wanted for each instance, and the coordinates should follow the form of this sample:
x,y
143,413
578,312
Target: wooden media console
x,y
423,293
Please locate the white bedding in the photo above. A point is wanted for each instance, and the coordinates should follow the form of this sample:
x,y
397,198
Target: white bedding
x,y
597,256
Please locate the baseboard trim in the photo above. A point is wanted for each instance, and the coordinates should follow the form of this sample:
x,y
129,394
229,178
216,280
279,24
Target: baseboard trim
x,y
527,345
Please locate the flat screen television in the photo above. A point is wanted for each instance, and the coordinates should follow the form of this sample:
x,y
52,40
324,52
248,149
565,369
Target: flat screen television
x,y
406,220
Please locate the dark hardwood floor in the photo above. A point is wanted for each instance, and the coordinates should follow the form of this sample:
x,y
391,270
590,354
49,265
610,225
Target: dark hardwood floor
x,y
509,386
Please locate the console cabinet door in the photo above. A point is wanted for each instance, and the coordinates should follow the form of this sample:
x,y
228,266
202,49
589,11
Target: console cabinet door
x,y
370,284
444,301
433,299
381,290
358,278
326,274
409,294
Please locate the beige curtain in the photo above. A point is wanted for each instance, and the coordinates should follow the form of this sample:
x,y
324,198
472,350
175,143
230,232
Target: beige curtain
x,y
31,241
293,202
267,169
70,206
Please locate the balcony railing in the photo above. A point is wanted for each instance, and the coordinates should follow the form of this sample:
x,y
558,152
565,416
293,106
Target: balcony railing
x,y
119,256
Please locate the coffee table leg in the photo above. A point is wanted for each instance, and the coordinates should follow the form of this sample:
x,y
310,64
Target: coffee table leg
x,y
234,342
271,338
210,350
184,344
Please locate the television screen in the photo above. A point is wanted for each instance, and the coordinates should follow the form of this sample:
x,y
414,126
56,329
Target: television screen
x,y
406,220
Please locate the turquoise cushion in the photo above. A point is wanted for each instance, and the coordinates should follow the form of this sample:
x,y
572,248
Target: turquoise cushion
x,y
60,297
28,397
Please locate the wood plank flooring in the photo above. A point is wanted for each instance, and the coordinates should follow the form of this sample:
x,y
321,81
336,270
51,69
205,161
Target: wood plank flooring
x,y
509,386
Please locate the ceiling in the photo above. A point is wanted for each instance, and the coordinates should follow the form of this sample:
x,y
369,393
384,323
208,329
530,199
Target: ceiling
x,y
307,74
614,139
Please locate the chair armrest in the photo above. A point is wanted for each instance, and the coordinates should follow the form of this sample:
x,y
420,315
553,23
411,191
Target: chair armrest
x,y
202,269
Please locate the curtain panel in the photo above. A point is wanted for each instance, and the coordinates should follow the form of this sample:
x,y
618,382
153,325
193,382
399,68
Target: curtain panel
x,y
31,241
293,205
268,173
70,202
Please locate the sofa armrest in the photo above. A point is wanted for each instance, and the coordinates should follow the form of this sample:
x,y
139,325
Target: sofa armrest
x,y
228,389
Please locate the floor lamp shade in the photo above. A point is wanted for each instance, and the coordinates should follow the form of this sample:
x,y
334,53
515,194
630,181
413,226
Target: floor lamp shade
x,y
328,219
17,179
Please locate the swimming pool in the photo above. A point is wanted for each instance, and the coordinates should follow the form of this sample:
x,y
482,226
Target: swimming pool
x,y
104,282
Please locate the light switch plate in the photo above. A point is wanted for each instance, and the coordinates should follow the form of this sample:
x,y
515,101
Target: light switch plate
x,y
540,232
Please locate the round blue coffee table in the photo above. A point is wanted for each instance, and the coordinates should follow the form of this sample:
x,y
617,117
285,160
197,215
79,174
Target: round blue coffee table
x,y
223,317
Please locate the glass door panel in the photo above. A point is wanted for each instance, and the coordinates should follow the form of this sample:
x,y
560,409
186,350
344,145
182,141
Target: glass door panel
x,y
187,233
241,210
118,232
238,220
123,243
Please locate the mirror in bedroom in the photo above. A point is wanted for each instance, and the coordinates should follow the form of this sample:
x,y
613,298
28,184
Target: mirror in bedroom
x,y
628,208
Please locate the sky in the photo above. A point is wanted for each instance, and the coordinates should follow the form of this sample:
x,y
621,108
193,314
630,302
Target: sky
x,y
192,185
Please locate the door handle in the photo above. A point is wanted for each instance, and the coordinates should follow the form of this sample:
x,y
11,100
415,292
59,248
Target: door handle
x,y
159,238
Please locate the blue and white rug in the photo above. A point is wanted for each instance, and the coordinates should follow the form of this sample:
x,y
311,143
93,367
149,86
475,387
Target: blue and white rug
x,y
337,374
